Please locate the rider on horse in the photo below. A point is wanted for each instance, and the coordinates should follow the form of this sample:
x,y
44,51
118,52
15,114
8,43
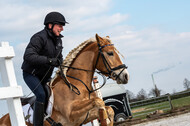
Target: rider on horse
x,y
43,53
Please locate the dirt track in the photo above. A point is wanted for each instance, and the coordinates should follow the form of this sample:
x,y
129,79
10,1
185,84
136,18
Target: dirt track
x,y
178,120
176,117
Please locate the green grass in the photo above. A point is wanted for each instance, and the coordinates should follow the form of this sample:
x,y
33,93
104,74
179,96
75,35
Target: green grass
x,y
181,102
177,103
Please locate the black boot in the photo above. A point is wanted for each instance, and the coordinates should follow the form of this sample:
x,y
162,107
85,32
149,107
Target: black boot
x,y
38,117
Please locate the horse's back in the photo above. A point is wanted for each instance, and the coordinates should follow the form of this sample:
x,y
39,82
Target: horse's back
x,y
5,120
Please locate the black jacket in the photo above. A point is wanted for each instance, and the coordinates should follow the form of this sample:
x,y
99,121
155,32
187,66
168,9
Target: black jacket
x,y
42,45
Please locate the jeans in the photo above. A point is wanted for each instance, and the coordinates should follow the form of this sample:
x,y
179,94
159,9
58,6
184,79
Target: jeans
x,y
36,86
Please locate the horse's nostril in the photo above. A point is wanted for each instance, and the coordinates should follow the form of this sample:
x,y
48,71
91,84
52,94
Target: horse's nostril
x,y
126,76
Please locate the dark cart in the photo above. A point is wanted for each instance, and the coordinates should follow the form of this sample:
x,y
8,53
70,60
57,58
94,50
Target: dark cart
x,y
114,95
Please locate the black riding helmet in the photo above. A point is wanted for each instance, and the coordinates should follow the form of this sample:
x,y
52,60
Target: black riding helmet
x,y
55,18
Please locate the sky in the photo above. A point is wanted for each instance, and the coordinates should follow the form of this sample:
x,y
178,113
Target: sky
x,y
153,35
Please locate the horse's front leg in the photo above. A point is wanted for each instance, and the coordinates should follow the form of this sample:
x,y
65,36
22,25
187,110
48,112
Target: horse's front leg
x,y
80,108
110,113
94,114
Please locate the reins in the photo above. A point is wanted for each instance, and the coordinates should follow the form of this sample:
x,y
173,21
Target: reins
x,y
72,87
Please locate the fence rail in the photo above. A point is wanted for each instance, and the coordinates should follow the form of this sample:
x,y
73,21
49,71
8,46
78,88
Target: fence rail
x,y
150,105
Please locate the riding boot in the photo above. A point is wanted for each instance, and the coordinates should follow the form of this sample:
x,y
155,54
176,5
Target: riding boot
x,y
38,117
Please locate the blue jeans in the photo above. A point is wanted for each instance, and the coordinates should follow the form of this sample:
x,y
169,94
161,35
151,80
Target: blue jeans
x,y
36,86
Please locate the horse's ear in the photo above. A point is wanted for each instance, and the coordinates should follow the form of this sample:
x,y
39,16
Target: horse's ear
x,y
98,38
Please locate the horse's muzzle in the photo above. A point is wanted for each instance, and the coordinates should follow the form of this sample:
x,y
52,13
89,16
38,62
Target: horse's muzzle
x,y
121,77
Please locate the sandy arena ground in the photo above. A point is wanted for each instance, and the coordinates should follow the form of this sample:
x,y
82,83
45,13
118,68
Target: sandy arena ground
x,y
178,120
175,117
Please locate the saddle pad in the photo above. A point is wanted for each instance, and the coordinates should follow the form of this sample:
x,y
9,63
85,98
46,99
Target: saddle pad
x,y
28,111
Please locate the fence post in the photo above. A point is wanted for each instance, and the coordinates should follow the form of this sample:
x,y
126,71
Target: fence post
x,y
170,102
11,91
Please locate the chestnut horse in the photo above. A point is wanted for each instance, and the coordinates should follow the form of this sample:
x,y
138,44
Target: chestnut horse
x,y
75,102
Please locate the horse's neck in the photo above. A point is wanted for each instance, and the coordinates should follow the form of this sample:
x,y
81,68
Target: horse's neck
x,y
84,61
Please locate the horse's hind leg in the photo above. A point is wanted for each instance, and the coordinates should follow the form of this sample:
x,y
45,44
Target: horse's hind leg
x,y
110,113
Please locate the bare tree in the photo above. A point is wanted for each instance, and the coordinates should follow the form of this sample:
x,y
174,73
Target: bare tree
x,y
155,92
142,95
130,95
186,84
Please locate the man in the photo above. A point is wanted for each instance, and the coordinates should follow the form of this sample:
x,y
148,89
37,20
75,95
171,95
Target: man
x,y
43,53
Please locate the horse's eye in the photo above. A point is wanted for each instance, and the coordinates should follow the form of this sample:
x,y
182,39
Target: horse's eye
x,y
110,53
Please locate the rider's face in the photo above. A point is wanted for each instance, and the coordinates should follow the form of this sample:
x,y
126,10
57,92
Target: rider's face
x,y
57,29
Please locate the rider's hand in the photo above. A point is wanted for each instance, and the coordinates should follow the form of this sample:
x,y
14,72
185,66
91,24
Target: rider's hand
x,y
53,62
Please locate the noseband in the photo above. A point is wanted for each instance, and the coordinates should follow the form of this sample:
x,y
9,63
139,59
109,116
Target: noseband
x,y
107,65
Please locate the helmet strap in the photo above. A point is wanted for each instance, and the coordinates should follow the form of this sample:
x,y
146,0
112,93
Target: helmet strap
x,y
51,29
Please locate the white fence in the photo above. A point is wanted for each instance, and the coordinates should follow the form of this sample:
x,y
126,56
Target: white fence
x,y
11,91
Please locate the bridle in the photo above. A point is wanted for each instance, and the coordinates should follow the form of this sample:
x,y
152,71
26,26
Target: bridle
x,y
109,72
107,65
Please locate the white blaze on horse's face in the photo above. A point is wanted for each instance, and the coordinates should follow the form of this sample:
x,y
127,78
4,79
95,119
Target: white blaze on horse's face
x,y
120,75
122,78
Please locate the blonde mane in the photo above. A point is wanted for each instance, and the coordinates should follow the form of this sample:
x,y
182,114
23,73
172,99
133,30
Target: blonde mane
x,y
72,55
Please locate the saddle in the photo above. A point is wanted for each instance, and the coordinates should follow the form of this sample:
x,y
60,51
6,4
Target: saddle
x,y
28,103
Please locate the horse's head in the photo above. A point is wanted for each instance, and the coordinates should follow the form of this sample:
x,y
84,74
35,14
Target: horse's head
x,y
109,62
